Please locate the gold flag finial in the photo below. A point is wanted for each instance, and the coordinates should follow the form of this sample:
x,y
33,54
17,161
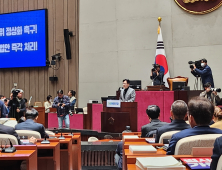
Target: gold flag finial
x,y
159,19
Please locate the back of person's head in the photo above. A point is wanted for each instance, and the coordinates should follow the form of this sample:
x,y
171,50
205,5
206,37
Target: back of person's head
x,y
72,92
31,114
201,109
153,111
25,100
206,85
218,113
49,97
179,109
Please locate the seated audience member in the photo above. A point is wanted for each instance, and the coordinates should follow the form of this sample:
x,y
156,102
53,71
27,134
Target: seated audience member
x,y
11,131
119,155
3,110
48,104
30,123
119,151
210,95
217,118
178,113
153,113
217,152
200,113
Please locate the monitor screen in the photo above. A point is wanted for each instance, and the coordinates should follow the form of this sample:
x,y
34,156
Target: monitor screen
x,y
23,39
178,85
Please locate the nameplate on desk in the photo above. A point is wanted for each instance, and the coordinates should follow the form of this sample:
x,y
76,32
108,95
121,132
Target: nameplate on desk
x,y
113,103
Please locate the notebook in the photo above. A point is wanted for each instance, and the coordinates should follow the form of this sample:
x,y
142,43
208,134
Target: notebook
x,y
137,149
130,137
159,163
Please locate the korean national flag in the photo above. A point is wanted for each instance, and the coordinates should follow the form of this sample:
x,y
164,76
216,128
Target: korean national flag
x,y
161,57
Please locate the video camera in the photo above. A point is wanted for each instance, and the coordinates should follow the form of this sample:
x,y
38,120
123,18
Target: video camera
x,y
196,63
215,89
15,92
155,66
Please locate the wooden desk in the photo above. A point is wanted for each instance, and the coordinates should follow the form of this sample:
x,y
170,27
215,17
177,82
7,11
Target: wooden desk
x,y
48,156
13,161
76,149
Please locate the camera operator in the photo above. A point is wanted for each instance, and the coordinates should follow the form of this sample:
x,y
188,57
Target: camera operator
x,y
17,104
157,75
62,103
209,94
205,74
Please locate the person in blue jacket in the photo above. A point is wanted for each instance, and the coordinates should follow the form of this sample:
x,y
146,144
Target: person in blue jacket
x,y
205,74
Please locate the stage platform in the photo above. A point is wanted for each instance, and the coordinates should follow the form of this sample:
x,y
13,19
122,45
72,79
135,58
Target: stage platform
x,y
92,120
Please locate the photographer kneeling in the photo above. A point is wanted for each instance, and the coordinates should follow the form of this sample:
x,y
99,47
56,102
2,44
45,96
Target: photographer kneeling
x,y
17,104
210,94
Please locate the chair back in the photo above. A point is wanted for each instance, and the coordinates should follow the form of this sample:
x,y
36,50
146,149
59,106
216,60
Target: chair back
x,y
219,164
29,133
5,137
11,123
50,132
39,104
184,146
92,139
167,135
178,78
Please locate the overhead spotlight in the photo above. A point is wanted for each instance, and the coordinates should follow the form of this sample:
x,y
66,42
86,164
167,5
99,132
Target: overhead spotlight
x,y
56,57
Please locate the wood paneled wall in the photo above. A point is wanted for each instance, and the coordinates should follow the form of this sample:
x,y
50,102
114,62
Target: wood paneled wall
x,y
35,82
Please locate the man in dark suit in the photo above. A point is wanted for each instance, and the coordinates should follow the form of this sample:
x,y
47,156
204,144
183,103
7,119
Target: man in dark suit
x,y
217,152
30,123
178,113
153,112
205,74
157,75
127,94
200,114
11,131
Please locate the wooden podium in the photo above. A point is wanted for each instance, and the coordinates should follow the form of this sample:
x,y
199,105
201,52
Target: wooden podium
x,y
115,120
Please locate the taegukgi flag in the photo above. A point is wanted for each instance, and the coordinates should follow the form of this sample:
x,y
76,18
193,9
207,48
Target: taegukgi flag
x,y
161,57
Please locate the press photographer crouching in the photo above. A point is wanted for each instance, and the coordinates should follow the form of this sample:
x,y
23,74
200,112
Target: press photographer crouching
x,y
17,104
211,93
156,75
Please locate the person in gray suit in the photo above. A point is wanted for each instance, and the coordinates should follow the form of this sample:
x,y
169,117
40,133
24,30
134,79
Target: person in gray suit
x,y
127,94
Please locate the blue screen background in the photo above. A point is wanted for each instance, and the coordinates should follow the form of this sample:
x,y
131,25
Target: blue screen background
x,y
24,58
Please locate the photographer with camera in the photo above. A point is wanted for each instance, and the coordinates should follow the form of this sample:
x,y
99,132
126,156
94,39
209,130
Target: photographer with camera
x,y
204,72
17,104
211,93
156,75
62,103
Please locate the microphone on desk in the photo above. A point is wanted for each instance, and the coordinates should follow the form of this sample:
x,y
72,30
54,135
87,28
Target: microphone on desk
x,y
45,141
10,149
61,137
71,134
